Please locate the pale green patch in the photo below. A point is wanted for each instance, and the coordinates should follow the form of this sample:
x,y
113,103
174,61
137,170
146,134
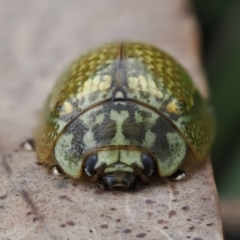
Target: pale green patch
x,y
149,138
88,140
119,138
61,125
99,118
131,156
119,160
177,153
182,123
118,167
108,157
62,147
138,117
151,120
95,81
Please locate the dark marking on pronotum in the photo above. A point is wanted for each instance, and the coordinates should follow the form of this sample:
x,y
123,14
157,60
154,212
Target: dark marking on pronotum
x,y
160,221
161,144
106,130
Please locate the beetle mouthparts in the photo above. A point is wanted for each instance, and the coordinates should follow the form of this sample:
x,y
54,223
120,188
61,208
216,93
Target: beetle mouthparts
x,y
119,181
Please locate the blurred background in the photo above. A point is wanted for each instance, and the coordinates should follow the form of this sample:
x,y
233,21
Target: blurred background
x,y
220,27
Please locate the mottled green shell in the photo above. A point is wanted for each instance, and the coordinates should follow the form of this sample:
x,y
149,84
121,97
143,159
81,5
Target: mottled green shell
x,y
141,74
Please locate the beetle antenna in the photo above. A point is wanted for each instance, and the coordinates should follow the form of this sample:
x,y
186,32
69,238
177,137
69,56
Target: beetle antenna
x,y
144,178
94,178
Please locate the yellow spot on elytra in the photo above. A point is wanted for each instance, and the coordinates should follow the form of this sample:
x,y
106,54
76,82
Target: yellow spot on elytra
x,y
133,83
154,90
87,86
67,108
79,95
168,62
172,108
149,52
138,52
105,83
143,82
148,58
96,81
82,66
170,71
92,64
156,93
160,67
92,56
107,78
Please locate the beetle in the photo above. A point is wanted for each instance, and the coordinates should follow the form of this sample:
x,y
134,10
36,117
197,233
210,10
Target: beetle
x,y
122,111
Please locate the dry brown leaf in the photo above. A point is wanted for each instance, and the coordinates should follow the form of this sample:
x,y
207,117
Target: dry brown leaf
x,y
38,39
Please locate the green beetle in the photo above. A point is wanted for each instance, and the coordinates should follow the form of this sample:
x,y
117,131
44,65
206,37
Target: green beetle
x,y
120,112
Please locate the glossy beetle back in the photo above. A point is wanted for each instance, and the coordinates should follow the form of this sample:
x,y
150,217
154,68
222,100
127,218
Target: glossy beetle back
x,y
132,72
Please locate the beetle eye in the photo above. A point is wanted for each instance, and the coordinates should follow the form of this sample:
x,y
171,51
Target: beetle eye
x,y
90,164
148,163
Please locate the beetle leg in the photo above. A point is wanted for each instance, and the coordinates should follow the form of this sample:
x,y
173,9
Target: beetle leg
x,y
139,172
28,145
144,178
99,172
55,170
94,178
101,185
180,175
